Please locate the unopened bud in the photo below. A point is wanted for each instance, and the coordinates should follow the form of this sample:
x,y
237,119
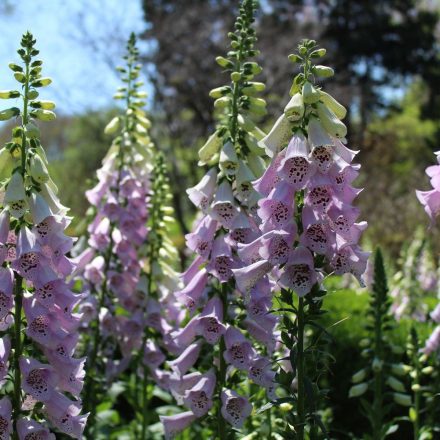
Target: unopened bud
x,y
113,126
224,62
402,399
359,376
222,102
358,390
42,82
9,94
427,370
400,369
310,93
219,92
43,115
323,71
20,77
235,76
46,105
395,384
377,365
9,113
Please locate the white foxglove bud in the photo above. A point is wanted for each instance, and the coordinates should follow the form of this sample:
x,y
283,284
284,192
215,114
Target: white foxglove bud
x,y
211,147
395,384
358,390
402,399
278,137
38,170
113,126
310,93
331,123
294,110
359,376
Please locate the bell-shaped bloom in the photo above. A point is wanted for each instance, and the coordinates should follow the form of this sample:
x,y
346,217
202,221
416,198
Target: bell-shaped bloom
x,y
223,208
221,261
39,380
201,194
278,137
100,237
179,385
201,239
210,325
39,208
191,293
43,325
31,430
431,202
271,176
350,259
316,235
296,168
235,409
265,335
199,398
6,287
261,373
187,359
31,263
5,351
186,335
5,418
276,246
276,211
94,271
15,196
299,273
239,351
153,356
175,424
65,415
247,277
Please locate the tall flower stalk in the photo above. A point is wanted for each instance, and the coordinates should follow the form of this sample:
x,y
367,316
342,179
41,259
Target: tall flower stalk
x,y
224,316
127,267
307,223
37,322
380,381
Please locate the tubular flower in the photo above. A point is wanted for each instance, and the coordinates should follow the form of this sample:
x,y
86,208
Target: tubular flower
x,y
35,283
215,289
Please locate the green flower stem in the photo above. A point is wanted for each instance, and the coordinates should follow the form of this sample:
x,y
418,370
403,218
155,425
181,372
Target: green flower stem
x,y
301,416
18,280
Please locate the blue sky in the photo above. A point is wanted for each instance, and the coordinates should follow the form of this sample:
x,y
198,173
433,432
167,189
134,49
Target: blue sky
x,y
80,42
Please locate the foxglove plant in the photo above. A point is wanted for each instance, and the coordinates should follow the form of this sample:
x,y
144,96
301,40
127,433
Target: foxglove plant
x,y
42,380
416,277
307,222
378,381
119,265
162,307
229,331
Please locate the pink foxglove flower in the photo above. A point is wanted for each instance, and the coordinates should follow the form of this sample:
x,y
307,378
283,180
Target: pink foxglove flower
x,y
235,409
34,282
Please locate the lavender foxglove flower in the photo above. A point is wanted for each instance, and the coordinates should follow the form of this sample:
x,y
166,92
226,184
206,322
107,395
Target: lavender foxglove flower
x,y
34,278
218,284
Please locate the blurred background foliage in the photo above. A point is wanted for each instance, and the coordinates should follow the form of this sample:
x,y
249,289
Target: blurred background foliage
x,y
387,61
